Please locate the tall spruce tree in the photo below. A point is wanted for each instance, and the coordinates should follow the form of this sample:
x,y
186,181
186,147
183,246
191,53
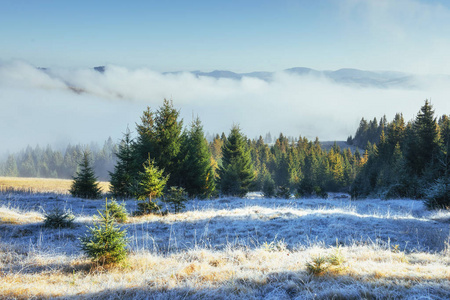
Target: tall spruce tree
x,y
85,183
444,159
168,141
198,175
145,138
159,135
236,173
123,179
437,195
423,141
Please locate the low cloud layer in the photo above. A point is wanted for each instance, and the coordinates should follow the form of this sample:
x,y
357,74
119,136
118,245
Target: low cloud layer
x,y
82,105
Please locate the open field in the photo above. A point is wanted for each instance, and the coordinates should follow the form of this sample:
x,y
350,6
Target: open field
x,y
232,248
40,185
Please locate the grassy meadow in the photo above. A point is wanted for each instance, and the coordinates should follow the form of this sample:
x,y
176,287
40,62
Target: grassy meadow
x,y
231,248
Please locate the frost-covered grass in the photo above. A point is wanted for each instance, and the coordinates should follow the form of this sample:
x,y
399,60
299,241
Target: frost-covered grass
x,y
233,248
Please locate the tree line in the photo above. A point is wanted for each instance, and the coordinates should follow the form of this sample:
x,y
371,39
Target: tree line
x,y
400,159
228,165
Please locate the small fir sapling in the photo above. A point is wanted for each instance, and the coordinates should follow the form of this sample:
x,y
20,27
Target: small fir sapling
x,y
105,243
58,218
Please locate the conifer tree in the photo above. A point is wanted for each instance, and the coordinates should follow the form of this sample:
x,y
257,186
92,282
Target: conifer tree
x,y
396,131
425,139
295,167
216,148
167,146
105,242
438,194
159,135
145,137
267,183
123,179
151,185
175,197
198,175
336,170
306,186
282,175
28,167
85,183
236,173
11,167
444,159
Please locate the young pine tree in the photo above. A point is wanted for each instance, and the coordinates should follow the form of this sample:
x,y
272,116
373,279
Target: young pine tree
x,y
106,243
236,173
85,183
151,185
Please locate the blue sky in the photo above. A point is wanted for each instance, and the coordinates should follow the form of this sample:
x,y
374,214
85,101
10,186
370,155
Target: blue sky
x,y
402,35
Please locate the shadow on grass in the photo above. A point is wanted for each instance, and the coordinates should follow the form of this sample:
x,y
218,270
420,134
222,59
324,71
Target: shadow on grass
x,y
294,230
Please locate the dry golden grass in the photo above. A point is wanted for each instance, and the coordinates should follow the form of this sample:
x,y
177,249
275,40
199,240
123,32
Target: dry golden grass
x,y
239,270
40,185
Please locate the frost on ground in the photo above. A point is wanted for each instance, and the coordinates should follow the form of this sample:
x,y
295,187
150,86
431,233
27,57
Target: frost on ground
x,y
233,248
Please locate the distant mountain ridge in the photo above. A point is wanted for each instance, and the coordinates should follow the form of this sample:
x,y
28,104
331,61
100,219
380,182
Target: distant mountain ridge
x,y
379,79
